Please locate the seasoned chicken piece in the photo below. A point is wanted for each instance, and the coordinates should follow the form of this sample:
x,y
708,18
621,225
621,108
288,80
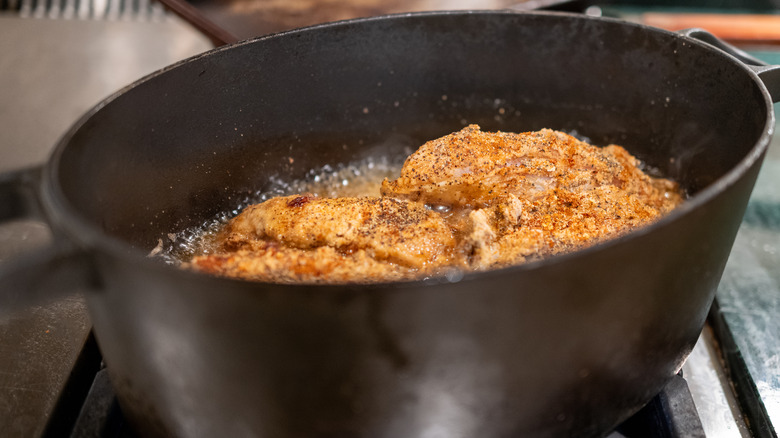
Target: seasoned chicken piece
x,y
560,221
471,168
530,194
272,262
471,200
359,233
494,236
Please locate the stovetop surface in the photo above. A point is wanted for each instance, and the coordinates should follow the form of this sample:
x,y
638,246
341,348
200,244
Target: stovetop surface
x,y
52,71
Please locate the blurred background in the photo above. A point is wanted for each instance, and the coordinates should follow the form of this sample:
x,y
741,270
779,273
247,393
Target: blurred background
x,y
228,20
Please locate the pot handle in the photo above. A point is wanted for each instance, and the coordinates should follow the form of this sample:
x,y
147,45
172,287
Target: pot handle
x,y
769,74
44,274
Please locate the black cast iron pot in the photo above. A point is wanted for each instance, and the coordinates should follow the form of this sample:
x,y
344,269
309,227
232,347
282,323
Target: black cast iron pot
x,y
567,346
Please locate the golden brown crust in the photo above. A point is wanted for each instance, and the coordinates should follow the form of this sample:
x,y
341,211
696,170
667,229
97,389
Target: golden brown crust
x,y
326,238
470,168
267,261
470,200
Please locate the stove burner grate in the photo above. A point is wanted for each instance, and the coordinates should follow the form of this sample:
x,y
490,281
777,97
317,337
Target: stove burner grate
x,y
670,414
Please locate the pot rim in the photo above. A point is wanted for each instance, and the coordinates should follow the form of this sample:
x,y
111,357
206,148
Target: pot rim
x,y
91,239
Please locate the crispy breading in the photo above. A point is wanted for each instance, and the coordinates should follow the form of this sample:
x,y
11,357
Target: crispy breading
x,y
471,200
381,238
471,168
271,262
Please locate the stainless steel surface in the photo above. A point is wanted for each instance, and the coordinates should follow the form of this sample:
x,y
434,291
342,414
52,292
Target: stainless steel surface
x,y
91,9
713,398
717,406
51,72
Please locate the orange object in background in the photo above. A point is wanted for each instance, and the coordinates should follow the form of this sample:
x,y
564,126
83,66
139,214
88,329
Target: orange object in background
x,y
734,28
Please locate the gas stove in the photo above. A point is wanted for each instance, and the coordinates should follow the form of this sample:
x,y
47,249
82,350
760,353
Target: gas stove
x,y
699,401
51,379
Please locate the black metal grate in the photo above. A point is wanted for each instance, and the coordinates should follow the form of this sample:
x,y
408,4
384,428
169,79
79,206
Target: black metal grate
x,y
671,414
85,9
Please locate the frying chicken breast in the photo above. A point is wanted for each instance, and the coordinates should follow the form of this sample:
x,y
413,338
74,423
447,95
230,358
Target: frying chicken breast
x,y
471,168
471,200
271,262
531,194
329,237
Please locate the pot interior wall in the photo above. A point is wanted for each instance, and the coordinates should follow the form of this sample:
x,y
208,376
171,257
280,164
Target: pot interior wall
x,y
181,146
